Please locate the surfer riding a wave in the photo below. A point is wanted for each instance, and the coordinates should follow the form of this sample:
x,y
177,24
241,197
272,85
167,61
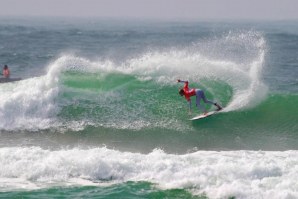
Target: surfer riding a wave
x,y
187,93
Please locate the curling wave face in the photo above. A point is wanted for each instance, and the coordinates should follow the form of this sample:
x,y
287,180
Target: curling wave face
x,y
83,92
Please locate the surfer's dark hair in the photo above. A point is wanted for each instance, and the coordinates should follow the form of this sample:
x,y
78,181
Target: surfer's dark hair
x,y
5,66
181,92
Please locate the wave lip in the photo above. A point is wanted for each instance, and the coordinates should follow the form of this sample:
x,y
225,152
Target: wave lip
x,y
236,58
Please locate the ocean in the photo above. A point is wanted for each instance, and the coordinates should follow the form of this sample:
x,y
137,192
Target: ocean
x,y
97,113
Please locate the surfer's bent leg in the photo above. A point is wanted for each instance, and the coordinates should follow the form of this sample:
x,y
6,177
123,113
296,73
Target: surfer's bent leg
x,y
198,100
204,98
210,102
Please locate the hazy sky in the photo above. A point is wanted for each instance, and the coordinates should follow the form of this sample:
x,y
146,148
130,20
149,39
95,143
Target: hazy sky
x,y
155,9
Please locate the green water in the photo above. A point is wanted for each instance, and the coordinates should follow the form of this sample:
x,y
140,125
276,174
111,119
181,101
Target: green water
x,y
129,190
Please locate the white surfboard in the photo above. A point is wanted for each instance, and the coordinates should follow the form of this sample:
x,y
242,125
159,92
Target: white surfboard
x,y
201,116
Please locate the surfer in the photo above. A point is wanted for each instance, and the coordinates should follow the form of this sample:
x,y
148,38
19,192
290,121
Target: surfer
x,y
6,72
199,95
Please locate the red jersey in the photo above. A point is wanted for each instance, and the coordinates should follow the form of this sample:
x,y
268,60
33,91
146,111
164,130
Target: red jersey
x,y
188,92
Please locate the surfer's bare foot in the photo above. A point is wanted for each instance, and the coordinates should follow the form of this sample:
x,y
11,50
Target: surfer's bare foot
x,y
218,107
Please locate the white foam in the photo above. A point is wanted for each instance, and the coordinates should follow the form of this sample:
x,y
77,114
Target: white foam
x,y
28,104
243,174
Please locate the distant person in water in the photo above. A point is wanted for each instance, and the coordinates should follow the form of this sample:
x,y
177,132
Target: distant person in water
x,y
5,71
199,95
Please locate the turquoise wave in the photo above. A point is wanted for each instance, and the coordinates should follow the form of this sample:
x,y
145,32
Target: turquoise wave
x,y
99,97
139,110
118,99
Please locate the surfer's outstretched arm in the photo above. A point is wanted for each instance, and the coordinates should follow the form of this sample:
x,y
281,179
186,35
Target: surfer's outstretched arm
x,y
182,81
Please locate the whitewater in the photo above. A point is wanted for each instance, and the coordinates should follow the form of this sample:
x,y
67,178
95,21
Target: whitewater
x,y
240,174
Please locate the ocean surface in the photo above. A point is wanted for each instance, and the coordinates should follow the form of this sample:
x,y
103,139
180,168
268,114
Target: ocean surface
x,y
97,113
